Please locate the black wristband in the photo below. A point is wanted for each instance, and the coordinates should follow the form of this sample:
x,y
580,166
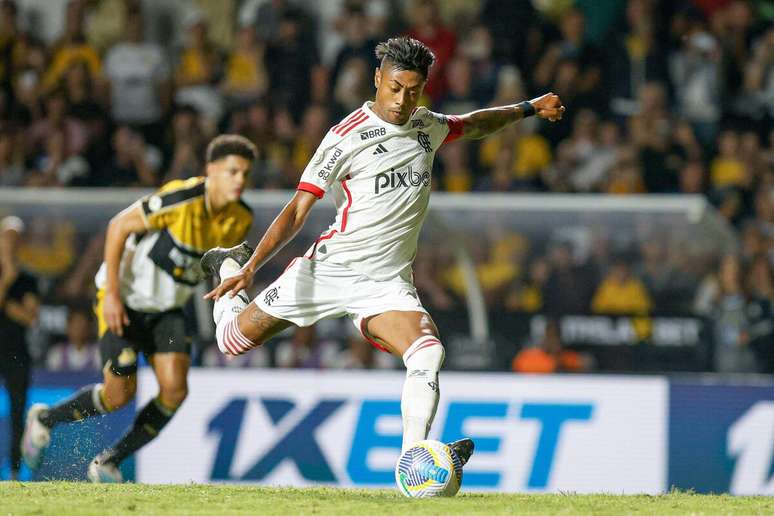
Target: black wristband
x,y
527,109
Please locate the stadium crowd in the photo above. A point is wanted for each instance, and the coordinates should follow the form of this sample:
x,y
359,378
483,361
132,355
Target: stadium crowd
x,y
667,97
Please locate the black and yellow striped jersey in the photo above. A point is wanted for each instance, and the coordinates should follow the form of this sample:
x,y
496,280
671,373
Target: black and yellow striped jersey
x,y
160,267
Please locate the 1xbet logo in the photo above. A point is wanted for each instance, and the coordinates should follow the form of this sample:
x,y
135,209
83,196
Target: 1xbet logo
x,y
405,179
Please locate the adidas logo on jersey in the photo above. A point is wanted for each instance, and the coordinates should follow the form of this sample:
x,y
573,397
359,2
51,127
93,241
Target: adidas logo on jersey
x,y
380,149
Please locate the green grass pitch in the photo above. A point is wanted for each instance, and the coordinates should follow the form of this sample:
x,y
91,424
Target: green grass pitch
x,y
64,498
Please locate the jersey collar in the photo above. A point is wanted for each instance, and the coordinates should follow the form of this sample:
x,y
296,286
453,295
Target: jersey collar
x,y
368,111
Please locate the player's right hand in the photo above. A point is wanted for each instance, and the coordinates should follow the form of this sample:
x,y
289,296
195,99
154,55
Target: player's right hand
x,y
231,286
115,314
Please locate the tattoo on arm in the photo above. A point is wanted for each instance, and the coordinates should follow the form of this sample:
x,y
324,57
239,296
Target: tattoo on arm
x,y
484,122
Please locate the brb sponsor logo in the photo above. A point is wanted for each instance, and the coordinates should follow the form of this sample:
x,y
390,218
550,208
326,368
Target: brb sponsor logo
x,y
325,172
394,179
373,133
304,445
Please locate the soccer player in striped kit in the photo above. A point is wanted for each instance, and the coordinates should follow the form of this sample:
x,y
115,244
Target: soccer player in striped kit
x,y
376,165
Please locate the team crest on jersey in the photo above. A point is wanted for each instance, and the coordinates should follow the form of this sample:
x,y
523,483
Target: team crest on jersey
x,y
127,357
424,141
154,203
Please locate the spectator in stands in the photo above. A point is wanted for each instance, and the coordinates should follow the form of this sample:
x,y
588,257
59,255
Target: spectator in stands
x,y
526,295
760,312
727,169
569,286
693,178
303,350
186,145
621,293
138,77
245,79
354,84
427,27
460,96
457,175
72,48
12,171
427,265
290,59
695,71
549,356
198,70
314,125
635,58
133,163
358,42
57,119
730,322
79,352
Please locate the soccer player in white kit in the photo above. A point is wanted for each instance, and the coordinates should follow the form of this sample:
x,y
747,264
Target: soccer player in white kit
x,y
376,165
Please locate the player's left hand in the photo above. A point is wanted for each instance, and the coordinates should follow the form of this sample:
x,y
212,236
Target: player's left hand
x,y
231,286
548,106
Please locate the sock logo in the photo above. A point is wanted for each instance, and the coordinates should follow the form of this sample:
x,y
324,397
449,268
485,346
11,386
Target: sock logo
x,y
418,373
433,386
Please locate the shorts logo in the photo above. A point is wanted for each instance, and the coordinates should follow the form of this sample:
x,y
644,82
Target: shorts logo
x,y
424,141
405,179
271,296
325,172
372,133
127,357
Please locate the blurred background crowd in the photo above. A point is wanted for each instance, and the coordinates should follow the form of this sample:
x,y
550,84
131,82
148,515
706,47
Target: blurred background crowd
x,y
663,97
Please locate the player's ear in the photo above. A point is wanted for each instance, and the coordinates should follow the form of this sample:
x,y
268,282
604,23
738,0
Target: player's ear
x,y
377,77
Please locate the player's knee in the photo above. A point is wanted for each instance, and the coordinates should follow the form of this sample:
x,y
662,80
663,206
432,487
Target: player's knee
x,y
173,396
117,394
425,354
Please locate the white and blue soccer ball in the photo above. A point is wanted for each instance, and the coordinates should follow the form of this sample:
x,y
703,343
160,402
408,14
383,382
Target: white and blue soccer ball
x,y
429,468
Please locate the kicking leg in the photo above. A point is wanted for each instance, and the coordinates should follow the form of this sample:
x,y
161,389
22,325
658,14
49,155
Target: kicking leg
x,y
241,325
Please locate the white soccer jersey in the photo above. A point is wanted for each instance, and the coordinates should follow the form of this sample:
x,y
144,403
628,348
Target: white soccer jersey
x,y
379,176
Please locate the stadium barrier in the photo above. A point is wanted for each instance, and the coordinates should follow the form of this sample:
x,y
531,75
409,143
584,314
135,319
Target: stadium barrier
x,y
612,434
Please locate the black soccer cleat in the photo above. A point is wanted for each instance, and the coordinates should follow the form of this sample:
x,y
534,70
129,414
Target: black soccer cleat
x,y
463,449
213,258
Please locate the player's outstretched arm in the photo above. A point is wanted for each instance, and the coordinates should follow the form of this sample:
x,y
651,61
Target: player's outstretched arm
x,y
286,226
484,122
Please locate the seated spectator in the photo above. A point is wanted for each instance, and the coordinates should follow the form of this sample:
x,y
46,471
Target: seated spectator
x,y
80,351
245,77
549,356
357,41
457,176
428,28
760,311
57,118
527,294
354,83
314,126
621,293
730,321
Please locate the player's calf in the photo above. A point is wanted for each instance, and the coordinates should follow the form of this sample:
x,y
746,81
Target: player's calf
x,y
419,401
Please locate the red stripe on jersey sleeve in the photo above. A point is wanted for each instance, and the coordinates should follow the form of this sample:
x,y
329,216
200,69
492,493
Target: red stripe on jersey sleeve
x,y
312,189
456,128
342,131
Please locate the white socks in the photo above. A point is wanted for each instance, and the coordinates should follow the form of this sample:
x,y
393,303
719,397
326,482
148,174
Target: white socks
x,y
231,341
419,401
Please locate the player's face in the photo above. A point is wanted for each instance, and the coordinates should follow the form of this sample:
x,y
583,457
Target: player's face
x,y
228,177
397,93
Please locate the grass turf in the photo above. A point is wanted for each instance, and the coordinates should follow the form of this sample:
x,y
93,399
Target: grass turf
x,y
64,498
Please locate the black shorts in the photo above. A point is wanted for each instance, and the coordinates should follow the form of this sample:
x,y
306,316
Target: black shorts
x,y
148,333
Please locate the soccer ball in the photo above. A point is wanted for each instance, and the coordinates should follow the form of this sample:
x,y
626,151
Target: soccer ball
x,y
429,468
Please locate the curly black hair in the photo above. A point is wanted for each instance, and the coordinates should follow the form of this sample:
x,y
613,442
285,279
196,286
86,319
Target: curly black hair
x,y
406,53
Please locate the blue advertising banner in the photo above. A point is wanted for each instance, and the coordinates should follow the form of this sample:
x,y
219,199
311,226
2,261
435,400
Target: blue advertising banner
x,y
72,446
721,437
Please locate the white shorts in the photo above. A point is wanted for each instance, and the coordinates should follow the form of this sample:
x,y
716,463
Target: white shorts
x,y
310,290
